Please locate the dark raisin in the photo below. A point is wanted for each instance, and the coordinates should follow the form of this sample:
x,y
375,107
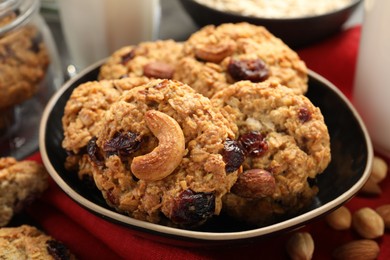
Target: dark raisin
x,y
57,250
93,152
253,70
254,143
35,43
233,155
192,208
304,114
122,144
128,57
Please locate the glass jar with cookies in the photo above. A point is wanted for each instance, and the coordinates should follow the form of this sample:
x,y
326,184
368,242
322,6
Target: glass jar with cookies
x,y
30,73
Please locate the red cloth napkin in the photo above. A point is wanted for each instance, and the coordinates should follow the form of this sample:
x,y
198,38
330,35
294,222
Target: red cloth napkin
x,y
90,237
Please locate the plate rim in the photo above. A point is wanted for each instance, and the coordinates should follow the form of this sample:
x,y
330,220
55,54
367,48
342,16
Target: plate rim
x,y
202,235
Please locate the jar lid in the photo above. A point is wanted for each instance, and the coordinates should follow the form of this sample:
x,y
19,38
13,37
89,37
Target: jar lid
x,y
20,12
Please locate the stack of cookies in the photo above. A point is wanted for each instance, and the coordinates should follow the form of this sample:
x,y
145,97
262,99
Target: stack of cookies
x,y
179,132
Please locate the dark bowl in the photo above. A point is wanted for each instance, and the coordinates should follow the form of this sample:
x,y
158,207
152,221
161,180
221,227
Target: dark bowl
x,y
349,169
295,32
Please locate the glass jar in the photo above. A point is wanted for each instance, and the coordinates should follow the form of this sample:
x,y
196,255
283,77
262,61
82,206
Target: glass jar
x,y
30,73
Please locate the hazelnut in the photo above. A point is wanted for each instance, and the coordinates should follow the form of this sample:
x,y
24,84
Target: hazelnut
x,y
255,183
159,70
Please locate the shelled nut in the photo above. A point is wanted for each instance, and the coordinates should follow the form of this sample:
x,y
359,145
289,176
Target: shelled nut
x,y
363,249
384,212
368,223
371,188
379,169
340,219
300,246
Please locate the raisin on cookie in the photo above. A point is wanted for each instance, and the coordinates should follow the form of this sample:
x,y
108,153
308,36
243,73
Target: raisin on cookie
x,y
159,155
217,56
286,145
20,183
27,242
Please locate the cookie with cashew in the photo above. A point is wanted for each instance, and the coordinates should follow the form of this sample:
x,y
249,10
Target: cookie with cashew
x,y
161,155
147,59
217,56
81,120
285,143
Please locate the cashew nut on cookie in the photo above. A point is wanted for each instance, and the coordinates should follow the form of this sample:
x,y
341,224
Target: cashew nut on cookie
x,y
214,53
164,159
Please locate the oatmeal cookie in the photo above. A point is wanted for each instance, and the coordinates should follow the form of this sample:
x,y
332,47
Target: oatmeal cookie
x,y
217,56
24,60
27,242
82,117
150,59
286,144
20,183
160,153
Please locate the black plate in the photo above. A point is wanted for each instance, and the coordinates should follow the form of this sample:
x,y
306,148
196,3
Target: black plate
x,y
349,169
295,32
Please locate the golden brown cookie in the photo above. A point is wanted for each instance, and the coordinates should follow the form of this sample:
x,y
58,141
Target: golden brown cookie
x,y
27,242
285,144
148,59
217,56
20,183
24,60
83,113
159,155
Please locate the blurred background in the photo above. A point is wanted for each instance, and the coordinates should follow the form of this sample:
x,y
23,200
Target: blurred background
x,y
175,24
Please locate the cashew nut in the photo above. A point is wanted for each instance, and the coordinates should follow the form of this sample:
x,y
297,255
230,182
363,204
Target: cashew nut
x,y
214,53
164,159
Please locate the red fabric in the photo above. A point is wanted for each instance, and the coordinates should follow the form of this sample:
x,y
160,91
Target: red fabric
x,y
90,237
335,59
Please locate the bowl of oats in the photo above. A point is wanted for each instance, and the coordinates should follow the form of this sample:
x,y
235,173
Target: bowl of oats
x,y
297,22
